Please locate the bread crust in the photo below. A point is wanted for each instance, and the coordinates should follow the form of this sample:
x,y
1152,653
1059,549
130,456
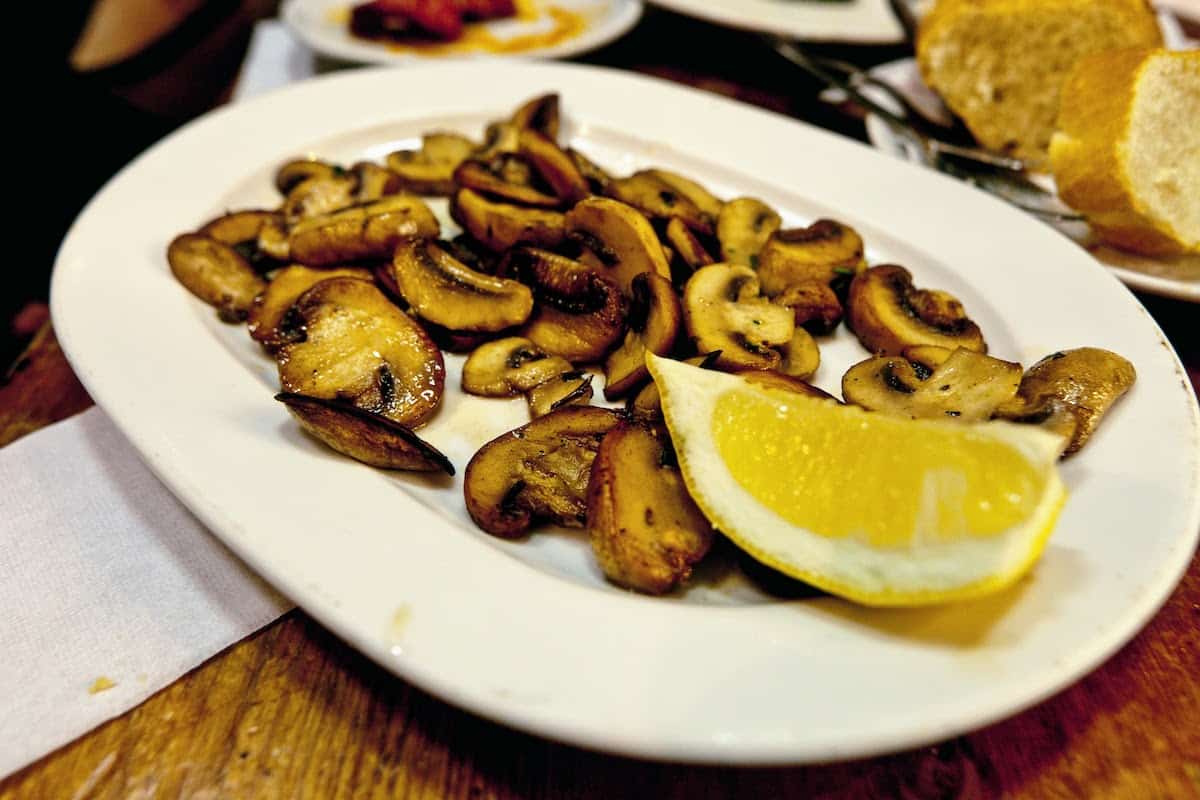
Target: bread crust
x,y
1088,153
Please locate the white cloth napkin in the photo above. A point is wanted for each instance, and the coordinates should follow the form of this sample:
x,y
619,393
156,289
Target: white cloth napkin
x,y
110,589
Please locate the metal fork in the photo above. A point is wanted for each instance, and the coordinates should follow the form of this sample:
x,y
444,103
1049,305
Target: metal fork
x,y
932,141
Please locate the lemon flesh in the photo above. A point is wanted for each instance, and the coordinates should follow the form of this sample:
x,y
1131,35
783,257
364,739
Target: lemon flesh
x,y
881,510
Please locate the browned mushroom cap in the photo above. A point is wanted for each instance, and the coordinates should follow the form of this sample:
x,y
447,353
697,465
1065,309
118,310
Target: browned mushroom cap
x,y
540,114
500,226
509,366
689,249
777,380
655,318
430,170
318,196
360,348
1070,392
498,137
273,239
472,253
743,227
814,304
596,177
556,167
238,227
539,471
657,199
579,315
295,172
241,231
373,182
215,273
724,311
445,291
647,404
368,231
708,203
645,529
363,435
455,341
620,237
966,385
888,314
800,357
268,315
505,176
821,252
568,389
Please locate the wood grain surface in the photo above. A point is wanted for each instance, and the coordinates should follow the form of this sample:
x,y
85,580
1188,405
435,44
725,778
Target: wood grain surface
x,y
292,712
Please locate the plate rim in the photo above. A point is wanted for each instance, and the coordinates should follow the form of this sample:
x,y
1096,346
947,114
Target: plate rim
x,y
782,26
109,398
290,11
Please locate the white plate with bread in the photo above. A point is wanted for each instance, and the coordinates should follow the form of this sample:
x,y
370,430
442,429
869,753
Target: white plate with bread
x,y
1122,147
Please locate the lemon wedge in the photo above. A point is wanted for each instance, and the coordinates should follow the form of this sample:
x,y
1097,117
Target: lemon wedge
x,y
880,510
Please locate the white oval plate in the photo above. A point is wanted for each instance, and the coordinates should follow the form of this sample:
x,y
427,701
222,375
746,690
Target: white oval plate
x,y
528,633
320,24
859,21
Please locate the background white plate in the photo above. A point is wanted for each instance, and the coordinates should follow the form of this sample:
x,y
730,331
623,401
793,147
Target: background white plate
x,y
528,633
318,24
861,21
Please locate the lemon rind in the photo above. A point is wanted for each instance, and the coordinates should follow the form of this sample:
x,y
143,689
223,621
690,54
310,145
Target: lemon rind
x,y
921,574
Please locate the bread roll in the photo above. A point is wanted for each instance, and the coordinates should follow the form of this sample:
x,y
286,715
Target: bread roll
x,y
1000,64
1127,154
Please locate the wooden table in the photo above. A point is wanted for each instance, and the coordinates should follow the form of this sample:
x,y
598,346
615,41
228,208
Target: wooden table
x,y
293,712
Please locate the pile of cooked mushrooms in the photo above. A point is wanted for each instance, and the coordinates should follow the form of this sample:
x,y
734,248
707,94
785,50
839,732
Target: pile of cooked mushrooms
x,y
562,273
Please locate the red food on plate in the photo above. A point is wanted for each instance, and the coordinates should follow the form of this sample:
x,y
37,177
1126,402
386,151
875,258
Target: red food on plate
x,y
423,19
401,19
472,10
